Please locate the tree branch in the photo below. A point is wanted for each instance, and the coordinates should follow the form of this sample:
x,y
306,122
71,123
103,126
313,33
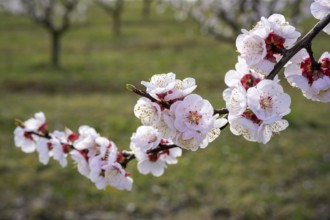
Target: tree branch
x,y
142,93
305,42
222,111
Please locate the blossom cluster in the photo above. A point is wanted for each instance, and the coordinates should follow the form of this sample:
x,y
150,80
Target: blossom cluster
x,y
313,78
256,105
255,101
264,45
172,116
96,157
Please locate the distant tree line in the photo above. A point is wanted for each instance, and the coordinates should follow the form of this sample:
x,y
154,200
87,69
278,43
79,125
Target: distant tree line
x,y
221,19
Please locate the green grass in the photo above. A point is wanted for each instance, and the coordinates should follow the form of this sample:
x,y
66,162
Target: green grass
x,y
232,178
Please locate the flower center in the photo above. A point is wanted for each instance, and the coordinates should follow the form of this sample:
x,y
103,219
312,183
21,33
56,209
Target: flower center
x,y
153,157
248,114
194,117
266,102
28,135
274,45
248,80
325,66
312,74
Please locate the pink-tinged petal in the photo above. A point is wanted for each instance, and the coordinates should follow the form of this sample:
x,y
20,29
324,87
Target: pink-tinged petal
x,y
148,112
42,148
81,162
327,29
235,100
244,127
25,141
232,77
264,133
251,47
58,153
279,126
319,11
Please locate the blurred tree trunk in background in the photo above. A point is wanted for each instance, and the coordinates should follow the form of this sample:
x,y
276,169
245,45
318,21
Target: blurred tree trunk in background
x,y
55,16
56,48
114,9
117,17
146,8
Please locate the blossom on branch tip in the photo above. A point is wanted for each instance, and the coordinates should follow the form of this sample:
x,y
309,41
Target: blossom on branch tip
x,y
164,87
26,136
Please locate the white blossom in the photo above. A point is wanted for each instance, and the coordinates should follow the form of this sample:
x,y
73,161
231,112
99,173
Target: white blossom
x,y
43,150
166,125
263,46
235,98
160,85
253,129
194,119
320,9
165,87
25,137
215,132
268,101
240,125
252,48
147,111
107,155
117,177
81,160
154,166
266,131
156,162
87,136
24,140
314,83
146,138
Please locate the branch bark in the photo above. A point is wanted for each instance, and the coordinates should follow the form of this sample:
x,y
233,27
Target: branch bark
x,y
305,42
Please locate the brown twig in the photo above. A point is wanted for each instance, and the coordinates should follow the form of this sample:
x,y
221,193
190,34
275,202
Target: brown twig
x,y
305,42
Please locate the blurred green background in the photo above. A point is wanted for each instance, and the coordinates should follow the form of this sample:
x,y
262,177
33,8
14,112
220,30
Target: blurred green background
x,y
289,178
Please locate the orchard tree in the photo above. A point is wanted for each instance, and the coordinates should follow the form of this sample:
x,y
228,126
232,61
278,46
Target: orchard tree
x,y
113,8
146,8
56,16
223,19
174,118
